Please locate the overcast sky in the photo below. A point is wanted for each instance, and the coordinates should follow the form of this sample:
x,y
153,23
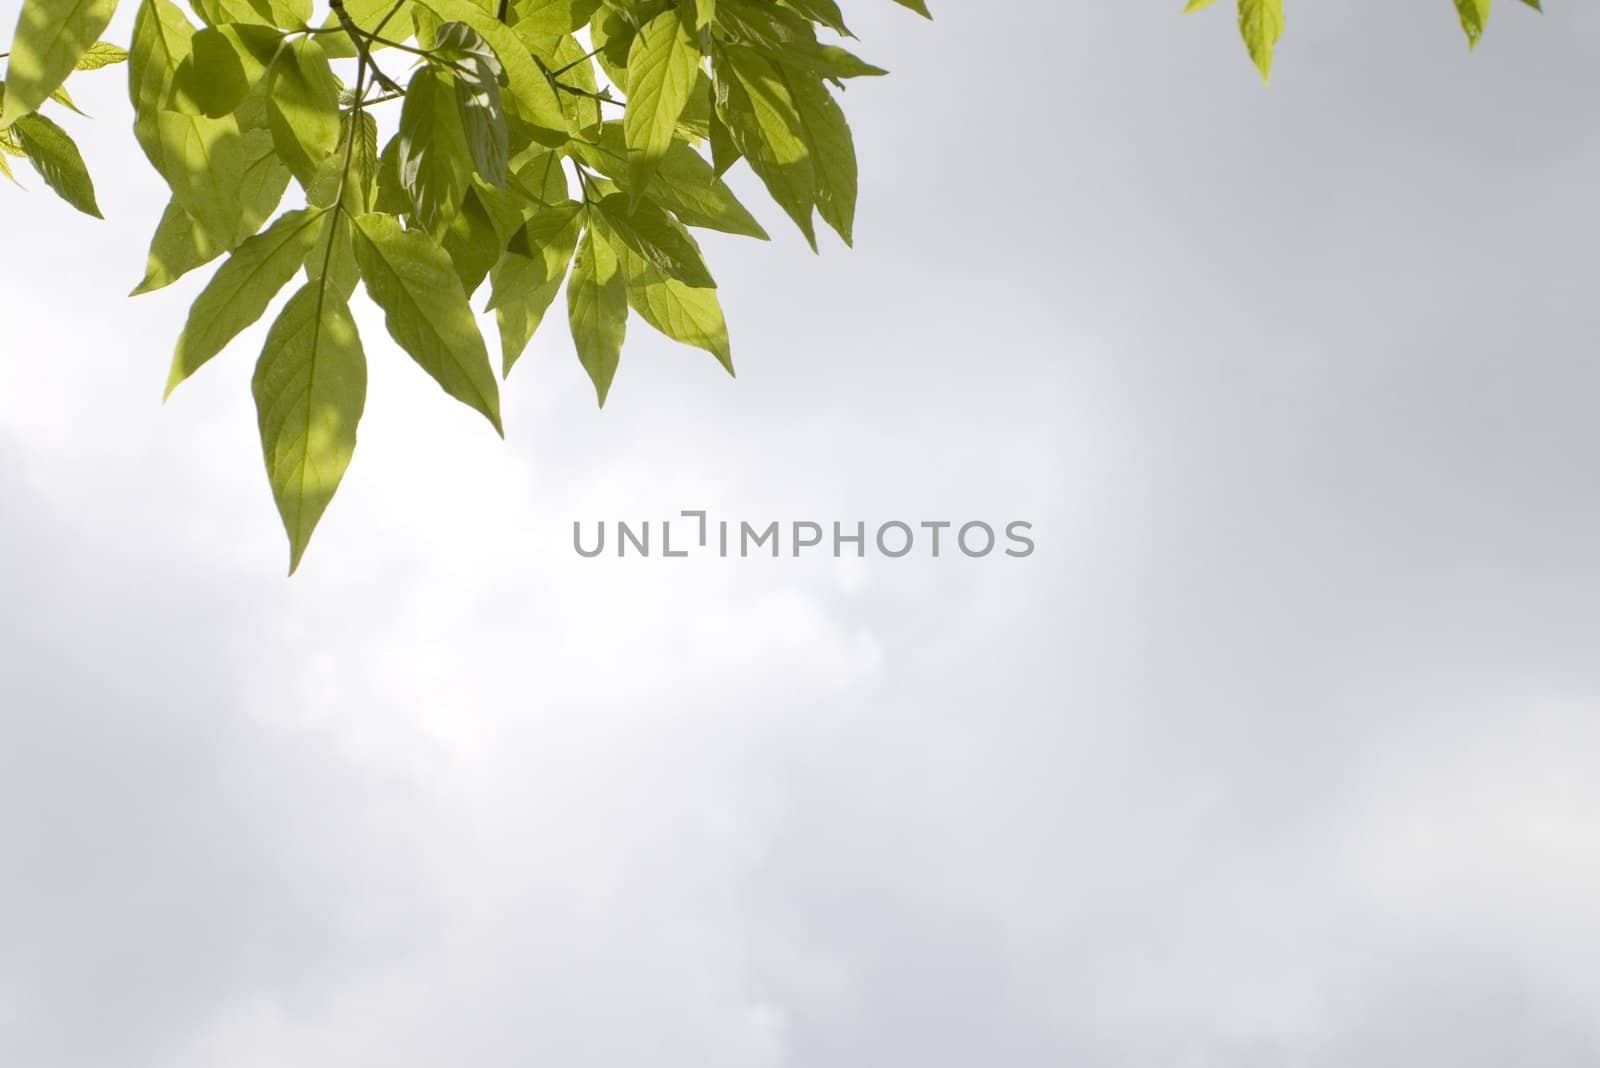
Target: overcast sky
x,y
1281,750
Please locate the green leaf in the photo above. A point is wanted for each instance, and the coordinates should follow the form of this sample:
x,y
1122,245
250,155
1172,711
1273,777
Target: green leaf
x,y
262,185
434,158
553,18
1474,16
1197,5
285,14
477,92
597,309
413,281
658,238
824,61
50,38
919,6
360,183
724,153
583,108
824,11
303,107
688,186
527,278
539,178
1261,25
702,14
471,241
334,258
612,34
684,183
204,161
532,98
161,42
62,97
182,243
369,13
833,152
683,313
240,291
211,81
662,64
56,158
100,54
765,125
310,389
178,247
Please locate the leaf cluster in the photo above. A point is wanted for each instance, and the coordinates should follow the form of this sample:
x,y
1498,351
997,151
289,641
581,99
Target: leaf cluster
x,y
432,152
1261,25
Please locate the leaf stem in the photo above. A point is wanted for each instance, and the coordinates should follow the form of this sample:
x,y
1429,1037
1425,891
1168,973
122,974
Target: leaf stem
x,y
583,180
604,98
393,11
578,62
363,42
344,178
384,99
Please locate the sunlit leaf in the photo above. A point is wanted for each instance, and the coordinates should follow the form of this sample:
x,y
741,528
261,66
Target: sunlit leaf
x,y
661,67
51,36
310,388
425,307
597,310
238,294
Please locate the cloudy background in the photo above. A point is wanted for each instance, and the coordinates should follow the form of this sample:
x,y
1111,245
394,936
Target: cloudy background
x,y
1282,749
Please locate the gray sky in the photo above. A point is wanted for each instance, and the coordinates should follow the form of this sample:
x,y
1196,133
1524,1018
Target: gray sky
x,y
1281,750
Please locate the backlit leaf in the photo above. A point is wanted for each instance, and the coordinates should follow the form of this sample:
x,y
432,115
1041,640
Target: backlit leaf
x,y
1474,15
685,314
425,307
56,158
766,127
833,152
310,388
303,107
1261,25
51,36
527,278
101,54
238,294
178,247
662,64
597,310
658,238
434,159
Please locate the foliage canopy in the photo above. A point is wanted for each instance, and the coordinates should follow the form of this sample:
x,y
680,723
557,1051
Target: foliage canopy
x,y
445,147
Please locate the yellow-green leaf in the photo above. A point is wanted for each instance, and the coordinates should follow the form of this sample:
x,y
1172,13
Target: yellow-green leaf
x,y
662,63
425,307
238,294
178,247
533,97
310,389
526,280
303,107
833,151
101,54
597,309
50,38
685,314
765,126
56,158
1474,15
1261,25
